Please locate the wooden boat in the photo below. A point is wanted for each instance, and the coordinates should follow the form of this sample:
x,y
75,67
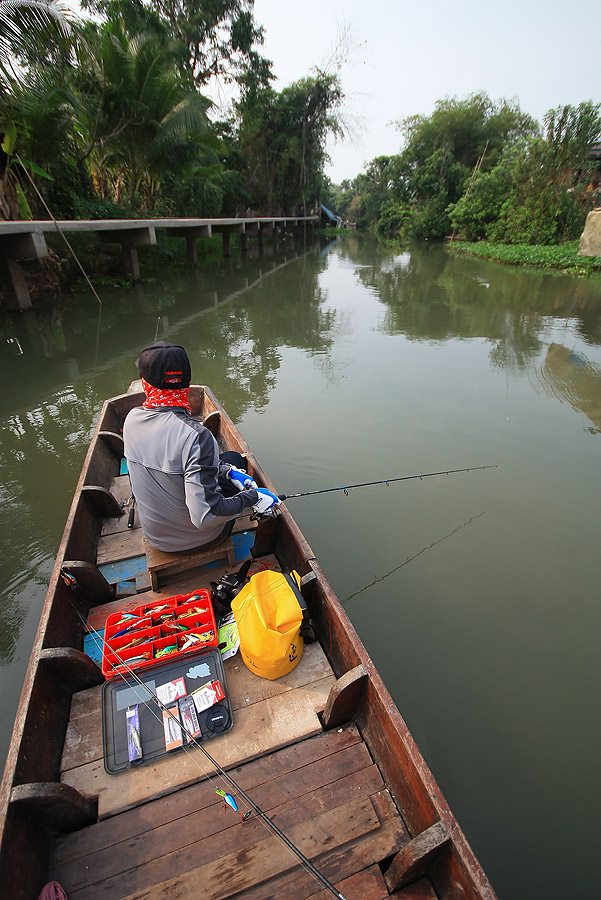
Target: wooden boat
x,y
323,751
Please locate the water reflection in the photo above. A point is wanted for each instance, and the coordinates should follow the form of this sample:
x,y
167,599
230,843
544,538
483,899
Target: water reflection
x,y
570,377
284,310
432,295
40,449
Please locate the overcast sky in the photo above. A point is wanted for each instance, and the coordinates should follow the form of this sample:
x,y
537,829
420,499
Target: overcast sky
x,y
403,56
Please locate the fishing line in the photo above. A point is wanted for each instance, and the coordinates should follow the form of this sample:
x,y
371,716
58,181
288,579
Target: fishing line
x,y
380,578
72,583
348,487
59,229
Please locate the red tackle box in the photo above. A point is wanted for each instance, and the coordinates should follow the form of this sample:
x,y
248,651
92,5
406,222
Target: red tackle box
x,y
158,632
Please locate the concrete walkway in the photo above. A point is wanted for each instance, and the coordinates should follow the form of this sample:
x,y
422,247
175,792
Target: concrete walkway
x,y
25,240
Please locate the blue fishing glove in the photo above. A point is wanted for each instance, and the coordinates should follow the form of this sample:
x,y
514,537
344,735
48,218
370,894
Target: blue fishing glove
x,y
241,480
267,503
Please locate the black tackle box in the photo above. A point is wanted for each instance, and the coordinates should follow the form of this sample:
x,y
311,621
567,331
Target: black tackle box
x,y
164,709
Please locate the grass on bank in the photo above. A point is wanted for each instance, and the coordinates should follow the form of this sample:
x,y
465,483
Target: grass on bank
x,y
562,257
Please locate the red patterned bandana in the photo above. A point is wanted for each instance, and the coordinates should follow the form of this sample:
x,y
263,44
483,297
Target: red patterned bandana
x,y
162,397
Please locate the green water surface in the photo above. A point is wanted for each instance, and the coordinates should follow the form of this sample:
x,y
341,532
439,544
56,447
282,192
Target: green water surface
x,y
477,594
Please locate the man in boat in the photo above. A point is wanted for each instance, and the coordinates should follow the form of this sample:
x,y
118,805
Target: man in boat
x,y
186,495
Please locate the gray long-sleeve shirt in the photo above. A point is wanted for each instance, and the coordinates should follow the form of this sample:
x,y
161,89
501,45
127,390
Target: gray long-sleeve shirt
x,y
173,464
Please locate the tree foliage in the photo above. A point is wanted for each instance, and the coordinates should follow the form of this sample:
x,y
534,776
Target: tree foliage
x,y
282,138
28,30
106,116
539,191
442,150
217,36
478,169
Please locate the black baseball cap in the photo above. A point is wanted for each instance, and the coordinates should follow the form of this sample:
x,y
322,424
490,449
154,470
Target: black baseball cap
x,y
165,365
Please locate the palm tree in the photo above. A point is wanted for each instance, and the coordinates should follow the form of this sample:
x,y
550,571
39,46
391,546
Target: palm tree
x,y
25,24
138,119
26,27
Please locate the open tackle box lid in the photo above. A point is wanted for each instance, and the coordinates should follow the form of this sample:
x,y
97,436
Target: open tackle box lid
x,y
136,726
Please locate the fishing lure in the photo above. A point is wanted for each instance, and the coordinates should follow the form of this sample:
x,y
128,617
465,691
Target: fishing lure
x,y
191,639
190,612
164,651
227,798
203,638
126,617
134,643
152,610
136,625
134,660
175,626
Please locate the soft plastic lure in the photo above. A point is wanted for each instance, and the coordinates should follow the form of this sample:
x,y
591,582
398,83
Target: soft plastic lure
x,y
227,798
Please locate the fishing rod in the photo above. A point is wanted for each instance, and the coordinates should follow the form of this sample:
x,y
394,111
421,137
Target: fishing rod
x,y
72,583
348,487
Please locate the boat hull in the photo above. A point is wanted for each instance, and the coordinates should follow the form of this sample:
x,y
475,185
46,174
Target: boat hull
x,y
36,804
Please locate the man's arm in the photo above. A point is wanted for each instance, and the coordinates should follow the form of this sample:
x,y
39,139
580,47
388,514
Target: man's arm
x,y
203,494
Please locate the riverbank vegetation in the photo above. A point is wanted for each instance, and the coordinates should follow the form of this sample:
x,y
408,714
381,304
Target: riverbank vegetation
x,y
477,170
563,257
108,117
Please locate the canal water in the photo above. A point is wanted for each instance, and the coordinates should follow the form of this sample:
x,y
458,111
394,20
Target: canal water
x,y
476,593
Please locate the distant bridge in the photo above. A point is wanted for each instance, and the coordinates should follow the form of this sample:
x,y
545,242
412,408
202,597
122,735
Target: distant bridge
x,y
25,240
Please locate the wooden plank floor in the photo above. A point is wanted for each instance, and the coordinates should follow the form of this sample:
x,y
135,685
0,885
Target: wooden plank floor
x,y
267,715
324,792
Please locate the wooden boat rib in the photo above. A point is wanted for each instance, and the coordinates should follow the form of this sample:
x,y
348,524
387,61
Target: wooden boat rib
x,y
323,751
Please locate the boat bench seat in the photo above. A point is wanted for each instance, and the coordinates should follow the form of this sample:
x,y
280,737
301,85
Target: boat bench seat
x,y
233,550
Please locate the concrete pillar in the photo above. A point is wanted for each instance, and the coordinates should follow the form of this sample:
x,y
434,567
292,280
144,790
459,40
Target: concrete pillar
x,y
131,261
227,248
14,286
191,250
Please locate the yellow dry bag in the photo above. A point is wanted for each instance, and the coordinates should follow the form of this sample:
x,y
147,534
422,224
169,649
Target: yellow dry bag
x,y
271,616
